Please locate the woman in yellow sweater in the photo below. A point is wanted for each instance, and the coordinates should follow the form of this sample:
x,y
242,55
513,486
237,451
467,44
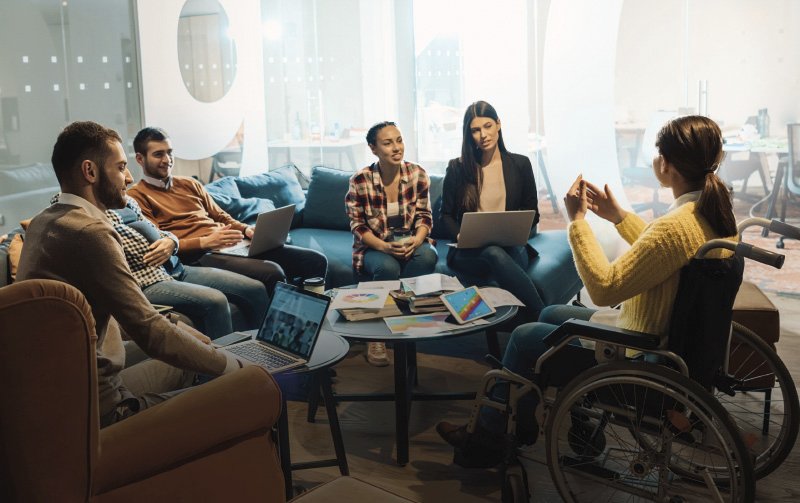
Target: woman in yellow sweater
x,y
644,279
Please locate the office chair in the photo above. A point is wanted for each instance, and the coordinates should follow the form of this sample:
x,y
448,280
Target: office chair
x,y
642,173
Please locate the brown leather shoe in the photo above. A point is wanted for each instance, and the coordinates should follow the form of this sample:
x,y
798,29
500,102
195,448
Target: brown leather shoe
x,y
376,354
454,434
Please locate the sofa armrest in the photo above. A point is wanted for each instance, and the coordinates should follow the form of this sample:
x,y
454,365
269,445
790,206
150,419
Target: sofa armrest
x,y
187,426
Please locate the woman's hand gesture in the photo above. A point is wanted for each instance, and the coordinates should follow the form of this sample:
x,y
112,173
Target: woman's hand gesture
x,y
604,204
576,200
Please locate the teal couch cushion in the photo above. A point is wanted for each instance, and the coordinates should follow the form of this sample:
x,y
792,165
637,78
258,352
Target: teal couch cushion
x,y
336,245
435,196
325,208
278,185
225,193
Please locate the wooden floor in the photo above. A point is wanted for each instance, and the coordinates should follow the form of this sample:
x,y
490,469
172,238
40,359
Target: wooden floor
x,y
430,476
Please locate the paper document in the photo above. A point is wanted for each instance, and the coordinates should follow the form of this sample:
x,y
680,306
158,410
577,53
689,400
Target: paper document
x,y
425,324
432,283
380,285
357,298
497,297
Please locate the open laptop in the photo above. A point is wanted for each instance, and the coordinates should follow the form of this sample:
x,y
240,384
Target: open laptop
x,y
272,228
289,332
501,228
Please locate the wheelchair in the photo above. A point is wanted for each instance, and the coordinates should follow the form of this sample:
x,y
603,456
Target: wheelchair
x,y
645,418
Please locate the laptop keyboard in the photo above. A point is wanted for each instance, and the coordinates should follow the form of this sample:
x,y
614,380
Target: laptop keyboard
x,y
261,355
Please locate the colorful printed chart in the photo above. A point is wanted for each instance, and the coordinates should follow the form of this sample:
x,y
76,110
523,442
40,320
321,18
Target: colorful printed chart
x,y
359,298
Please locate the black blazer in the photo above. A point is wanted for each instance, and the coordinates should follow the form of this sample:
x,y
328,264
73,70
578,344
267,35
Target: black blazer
x,y
520,185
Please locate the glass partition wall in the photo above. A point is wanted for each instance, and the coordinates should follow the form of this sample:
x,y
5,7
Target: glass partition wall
x,y
63,61
579,88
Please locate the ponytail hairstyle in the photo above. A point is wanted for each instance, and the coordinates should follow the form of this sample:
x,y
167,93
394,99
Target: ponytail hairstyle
x,y
469,170
693,145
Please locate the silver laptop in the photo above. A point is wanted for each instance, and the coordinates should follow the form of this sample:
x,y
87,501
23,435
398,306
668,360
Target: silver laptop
x,y
501,228
289,331
272,228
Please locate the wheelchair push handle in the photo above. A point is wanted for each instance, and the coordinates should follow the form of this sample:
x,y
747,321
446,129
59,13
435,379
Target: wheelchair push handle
x,y
789,231
782,228
743,250
760,255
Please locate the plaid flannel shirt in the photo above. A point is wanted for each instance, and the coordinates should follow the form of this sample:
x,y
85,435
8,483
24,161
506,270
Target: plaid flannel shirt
x,y
366,205
136,245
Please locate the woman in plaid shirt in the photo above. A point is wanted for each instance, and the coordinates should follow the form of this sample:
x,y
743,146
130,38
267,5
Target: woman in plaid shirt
x,y
390,217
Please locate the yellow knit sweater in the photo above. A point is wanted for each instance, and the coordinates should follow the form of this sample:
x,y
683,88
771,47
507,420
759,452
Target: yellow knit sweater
x,y
645,278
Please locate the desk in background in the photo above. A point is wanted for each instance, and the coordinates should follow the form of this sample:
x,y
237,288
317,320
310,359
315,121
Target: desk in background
x,y
765,148
342,147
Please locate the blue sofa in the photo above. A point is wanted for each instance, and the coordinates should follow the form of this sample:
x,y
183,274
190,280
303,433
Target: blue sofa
x,y
321,223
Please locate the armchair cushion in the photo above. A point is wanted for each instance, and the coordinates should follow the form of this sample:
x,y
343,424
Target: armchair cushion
x,y
192,424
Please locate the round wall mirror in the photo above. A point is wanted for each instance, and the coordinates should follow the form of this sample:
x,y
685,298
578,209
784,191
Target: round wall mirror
x,y
206,50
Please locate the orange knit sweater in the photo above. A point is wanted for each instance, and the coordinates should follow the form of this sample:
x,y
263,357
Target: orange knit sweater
x,y
186,210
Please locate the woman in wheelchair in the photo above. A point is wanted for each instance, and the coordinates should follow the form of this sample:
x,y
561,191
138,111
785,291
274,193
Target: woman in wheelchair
x,y
644,280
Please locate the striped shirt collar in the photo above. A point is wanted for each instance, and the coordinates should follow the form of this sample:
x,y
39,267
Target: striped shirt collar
x,y
73,200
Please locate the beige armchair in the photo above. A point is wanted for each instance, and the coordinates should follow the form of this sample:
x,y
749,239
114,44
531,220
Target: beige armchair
x,y
212,443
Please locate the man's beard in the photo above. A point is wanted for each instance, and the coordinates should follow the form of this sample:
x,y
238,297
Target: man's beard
x,y
108,195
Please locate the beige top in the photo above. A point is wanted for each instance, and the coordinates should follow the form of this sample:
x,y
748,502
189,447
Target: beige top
x,y
493,190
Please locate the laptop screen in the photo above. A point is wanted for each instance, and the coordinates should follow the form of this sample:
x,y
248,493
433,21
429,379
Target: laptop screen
x,y
293,320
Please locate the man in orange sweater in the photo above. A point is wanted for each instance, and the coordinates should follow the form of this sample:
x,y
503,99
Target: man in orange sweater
x,y
181,205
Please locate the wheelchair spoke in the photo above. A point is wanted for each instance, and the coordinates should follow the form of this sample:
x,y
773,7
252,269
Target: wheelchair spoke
x,y
628,438
765,405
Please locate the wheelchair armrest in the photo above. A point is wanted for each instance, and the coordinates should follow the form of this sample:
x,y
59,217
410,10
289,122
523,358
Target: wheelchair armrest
x,y
603,333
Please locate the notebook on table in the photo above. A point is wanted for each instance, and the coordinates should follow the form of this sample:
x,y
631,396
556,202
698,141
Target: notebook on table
x,y
271,230
289,331
501,228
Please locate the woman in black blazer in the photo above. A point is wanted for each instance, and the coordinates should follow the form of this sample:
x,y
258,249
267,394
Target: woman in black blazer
x,y
487,177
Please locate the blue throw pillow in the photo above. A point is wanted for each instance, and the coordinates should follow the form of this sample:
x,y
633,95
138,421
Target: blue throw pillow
x,y
226,194
325,208
280,185
225,185
243,209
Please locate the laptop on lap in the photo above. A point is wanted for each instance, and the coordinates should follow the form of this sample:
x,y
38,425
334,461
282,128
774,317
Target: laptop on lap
x,y
501,228
271,230
289,331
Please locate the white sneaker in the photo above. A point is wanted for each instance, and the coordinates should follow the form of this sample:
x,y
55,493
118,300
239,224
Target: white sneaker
x,y
376,354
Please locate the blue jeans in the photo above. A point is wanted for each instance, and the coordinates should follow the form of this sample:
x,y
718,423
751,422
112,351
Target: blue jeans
x,y
379,266
203,293
524,349
506,265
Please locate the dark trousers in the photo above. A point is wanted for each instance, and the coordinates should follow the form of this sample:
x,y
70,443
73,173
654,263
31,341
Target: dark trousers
x,y
287,262
506,265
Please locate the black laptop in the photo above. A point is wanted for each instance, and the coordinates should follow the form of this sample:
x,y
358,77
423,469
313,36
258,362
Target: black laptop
x,y
289,332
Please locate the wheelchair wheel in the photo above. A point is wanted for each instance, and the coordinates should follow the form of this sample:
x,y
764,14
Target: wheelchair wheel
x,y
515,485
664,438
765,406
